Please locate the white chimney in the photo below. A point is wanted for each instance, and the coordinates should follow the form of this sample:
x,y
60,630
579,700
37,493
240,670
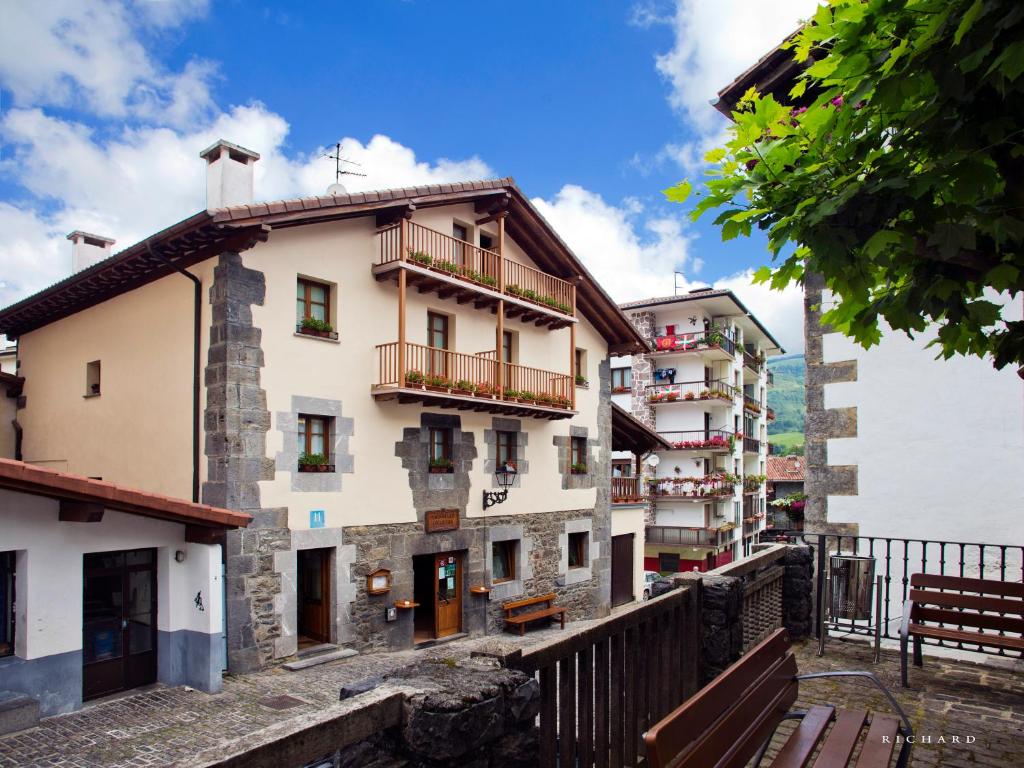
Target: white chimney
x,y
87,249
229,170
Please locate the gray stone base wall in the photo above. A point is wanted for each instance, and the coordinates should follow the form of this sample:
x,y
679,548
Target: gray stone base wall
x,y
55,681
542,571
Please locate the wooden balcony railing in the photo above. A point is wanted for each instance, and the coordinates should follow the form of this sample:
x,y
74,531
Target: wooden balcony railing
x,y
441,370
750,445
677,536
751,404
689,391
694,342
458,258
625,489
700,439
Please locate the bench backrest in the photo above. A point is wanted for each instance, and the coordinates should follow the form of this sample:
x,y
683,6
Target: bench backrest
x,y
724,724
527,601
966,602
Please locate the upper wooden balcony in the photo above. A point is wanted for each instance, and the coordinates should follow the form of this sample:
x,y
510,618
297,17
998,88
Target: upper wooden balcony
x,y
703,393
449,379
712,344
453,268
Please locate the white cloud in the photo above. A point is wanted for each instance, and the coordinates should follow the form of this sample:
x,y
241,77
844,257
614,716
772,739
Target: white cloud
x,y
781,312
74,53
714,42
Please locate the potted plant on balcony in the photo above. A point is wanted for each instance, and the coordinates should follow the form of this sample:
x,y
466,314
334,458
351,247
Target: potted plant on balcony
x,y
581,381
672,396
705,394
578,469
414,379
511,394
313,462
437,383
464,387
526,396
311,326
485,390
441,466
420,257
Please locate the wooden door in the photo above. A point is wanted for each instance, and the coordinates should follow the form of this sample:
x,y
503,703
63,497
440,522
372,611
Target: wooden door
x,y
118,621
448,600
314,593
622,569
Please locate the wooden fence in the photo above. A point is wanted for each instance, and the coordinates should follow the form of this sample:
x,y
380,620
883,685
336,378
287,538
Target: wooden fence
x,y
603,687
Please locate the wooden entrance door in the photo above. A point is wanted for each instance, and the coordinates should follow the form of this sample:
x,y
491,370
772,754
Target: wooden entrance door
x,y
314,595
622,569
118,621
448,600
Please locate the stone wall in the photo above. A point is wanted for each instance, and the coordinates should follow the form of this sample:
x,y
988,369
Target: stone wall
x,y
643,368
798,592
822,479
236,422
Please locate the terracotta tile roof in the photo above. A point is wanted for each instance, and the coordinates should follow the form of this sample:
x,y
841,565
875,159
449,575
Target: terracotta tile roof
x,y
785,469
39,481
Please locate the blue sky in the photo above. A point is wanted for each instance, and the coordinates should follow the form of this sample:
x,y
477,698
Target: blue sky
x,y
593,108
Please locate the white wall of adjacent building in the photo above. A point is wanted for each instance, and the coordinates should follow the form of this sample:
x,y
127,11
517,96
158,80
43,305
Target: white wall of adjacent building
x,y
939,446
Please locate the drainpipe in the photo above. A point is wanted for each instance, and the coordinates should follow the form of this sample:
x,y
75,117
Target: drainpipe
x,y
196,340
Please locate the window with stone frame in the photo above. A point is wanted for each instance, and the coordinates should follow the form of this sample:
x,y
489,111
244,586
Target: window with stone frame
x,y
314,442
622,379
578,457
440,450
506,448
578,545
503,560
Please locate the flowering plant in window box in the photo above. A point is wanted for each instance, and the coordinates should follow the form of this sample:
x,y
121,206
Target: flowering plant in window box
x,y
672,396
437,383
464,387
311,326
414,378
578,469
485,390
656,397
620,390
441,466
511,394
689,396
581,381
420,257
526,396
314,462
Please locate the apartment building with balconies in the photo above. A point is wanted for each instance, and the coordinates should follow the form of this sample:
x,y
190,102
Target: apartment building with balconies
x,y
352,370
702,387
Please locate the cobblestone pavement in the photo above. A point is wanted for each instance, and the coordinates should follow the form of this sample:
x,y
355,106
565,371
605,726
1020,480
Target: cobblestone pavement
x,y
169,726
948,697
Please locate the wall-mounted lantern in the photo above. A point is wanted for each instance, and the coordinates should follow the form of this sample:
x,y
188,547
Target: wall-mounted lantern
x,y
506,476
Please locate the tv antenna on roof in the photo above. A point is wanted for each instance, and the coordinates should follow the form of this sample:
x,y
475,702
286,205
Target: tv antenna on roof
x,y
337,188
675,282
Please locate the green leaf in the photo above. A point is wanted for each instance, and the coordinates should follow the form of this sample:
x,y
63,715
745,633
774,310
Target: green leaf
x,y
968,20
715,155
880,240
1003,277
748,214
679,193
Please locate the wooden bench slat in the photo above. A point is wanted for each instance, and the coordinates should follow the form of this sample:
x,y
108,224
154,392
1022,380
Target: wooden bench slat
x,y
879,743
974,602
838,746
941,633
548,598
966,619
534,615
796,752
983,586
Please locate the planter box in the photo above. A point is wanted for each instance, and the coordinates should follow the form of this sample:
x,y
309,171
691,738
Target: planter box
x,y
465,392
441,470
316,467
318,334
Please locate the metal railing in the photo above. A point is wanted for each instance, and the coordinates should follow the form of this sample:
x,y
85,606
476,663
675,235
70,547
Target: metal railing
x,y
700,439
751,404
673,535
691,391
750,445
695,342
896,560
771,378
769,413
713,486
752,362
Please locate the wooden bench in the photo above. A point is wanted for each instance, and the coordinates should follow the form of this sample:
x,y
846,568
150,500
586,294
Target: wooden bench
x,y
731,721
938,608
550,611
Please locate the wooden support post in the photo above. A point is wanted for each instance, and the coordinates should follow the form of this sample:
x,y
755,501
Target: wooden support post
x,y
572,365
401,304
500,332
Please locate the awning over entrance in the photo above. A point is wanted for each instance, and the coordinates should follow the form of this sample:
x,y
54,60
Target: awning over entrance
x,y
631,434
82,499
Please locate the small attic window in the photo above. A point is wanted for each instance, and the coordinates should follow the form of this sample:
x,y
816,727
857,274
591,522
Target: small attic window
x,y
92,379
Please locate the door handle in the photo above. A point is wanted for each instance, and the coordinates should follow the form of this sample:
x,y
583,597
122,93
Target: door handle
x,y
124,623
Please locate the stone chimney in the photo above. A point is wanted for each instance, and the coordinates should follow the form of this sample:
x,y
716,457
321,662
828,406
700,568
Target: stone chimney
x,y
229,169
87,249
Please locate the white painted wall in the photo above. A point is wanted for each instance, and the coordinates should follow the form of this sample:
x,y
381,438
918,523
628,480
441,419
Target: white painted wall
x,y
49,571
630,519
939,446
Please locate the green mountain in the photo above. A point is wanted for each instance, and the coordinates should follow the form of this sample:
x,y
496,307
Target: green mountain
x,y
786,397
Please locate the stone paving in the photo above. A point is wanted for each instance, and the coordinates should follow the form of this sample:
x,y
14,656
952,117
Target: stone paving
x,y
170,726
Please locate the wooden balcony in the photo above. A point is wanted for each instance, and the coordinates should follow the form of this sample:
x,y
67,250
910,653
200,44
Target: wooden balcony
x,y
671,535
449,379
704,441
712,344
750,445
706,393
626,490
751,404
453,268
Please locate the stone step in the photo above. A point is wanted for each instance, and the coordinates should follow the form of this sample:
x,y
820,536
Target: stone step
x,y
320,658
315,650
17,712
